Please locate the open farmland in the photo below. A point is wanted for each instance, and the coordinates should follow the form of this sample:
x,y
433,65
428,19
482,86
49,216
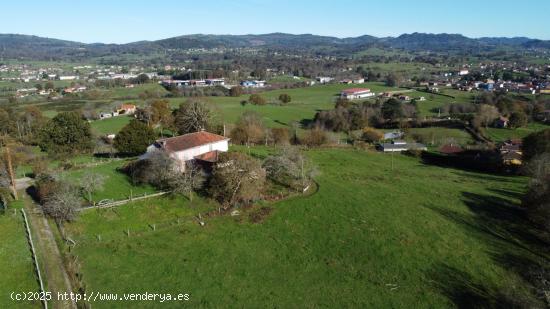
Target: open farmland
x,y
117,185
16,262
345,245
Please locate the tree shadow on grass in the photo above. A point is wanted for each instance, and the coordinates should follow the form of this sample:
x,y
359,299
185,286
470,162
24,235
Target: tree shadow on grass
x,y
472,161
513,241
466,292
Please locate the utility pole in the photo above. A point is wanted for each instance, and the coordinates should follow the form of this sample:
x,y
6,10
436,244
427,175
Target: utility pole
x,y
10,171
392,161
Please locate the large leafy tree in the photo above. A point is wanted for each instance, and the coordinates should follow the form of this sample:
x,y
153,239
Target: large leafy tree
x,y
536,144
392,109
67,133
134,138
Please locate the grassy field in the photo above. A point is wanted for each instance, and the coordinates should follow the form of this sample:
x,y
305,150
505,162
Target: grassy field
x,y
117,185
16,265
305,103
499,135
372,236
110,125
437,136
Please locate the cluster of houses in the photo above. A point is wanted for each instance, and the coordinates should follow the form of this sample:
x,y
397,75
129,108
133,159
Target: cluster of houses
x,y
124,109
491,85
210,82
362,93
510,152
193,82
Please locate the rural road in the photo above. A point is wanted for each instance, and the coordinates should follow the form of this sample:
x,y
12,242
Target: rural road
x,y
54,272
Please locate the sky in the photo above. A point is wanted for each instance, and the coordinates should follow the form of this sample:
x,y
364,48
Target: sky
x,y
123,21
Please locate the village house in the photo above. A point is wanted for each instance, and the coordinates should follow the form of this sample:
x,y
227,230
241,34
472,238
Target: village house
x,y
356,93
202,146
510,152
393,135
501,122
215,81
68,77
127,109
399,146
324,79
253,83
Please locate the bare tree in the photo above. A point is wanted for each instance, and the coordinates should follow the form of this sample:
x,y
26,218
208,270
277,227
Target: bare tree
x,y
185,183
485,115
237,178
290,168
92,182
63,203
192,116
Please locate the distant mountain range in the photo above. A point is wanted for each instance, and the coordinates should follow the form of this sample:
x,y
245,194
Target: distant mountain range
x,y
34,47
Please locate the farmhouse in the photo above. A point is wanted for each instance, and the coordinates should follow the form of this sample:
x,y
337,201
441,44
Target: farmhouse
x,y
202,146
128,109
253,83
501,122
510,152
393,135
324,79
356,93
398,146
215,81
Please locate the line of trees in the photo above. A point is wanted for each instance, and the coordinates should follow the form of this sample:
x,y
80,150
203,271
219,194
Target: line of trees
x,y
536,153
236,178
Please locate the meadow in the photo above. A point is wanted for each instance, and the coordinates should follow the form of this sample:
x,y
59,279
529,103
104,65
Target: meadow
x,y
117,186
16,265
436,136
381,231
503,134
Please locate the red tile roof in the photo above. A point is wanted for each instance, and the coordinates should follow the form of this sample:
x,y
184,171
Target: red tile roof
x,y
355,90
187,141
450,149
127,106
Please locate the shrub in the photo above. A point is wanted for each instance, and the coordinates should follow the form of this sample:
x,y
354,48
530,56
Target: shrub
x,y
236,178
372,135
315,138
285,98
257,99
281,136
536,144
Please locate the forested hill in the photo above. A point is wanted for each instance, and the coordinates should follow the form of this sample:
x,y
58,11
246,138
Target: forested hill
x,y
38,48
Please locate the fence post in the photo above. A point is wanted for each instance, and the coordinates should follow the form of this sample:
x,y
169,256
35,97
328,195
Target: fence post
x,y
35,259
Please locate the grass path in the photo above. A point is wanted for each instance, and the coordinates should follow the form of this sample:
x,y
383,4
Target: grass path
x,y
49,256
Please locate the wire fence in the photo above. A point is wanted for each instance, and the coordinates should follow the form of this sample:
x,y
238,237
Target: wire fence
x,y
35,258
122,202
146,229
